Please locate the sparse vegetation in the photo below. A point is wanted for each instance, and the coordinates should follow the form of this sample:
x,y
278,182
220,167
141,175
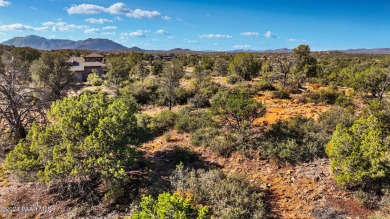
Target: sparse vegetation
x,y
233,198
298,140
253,134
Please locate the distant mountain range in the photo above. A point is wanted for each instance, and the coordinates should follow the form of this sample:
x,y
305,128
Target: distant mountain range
x,y
42,43
368,51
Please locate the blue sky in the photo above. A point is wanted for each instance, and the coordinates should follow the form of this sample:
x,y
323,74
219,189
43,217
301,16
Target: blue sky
x,y
204,24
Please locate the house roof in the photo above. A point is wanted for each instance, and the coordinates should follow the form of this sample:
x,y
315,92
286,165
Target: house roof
x,y
94,55
79,63
92,64
83,65
77,59
77,68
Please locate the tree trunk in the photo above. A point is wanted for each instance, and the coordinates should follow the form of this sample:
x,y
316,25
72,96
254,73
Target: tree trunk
x,y
22,132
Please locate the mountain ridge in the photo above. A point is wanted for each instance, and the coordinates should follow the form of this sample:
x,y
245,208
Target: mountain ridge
x,y
100,44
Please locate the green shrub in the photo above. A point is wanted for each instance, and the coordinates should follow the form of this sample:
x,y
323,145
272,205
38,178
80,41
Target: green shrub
x,y
94,79
223,143
189,121
236,110
264,86
162,122
323,96
330,96
203,136
142,95
229,197
359,154
181,154
201,90
145,92
169,206
88,136
233,79
210,88
380,110
182,95
344,101
369,199
143,120
298,140
334,116
200,100
281,94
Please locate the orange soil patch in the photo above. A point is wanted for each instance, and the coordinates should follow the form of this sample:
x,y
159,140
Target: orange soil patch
x,y
284,109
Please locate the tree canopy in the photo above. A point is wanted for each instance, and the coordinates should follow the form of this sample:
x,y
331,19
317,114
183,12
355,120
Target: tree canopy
x,y
360,155
52,76
88,137
169,82
236,110
245,65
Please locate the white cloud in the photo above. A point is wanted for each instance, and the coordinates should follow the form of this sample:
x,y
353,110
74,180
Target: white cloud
x,y
47,26
138,33
161,32
218,36
109,28
166,18
118,18
269,34
241,47
171,38
41,28
33,8
86,9
117,8
91,31
108,33
18,27
291,40
191,41
138,13
250,34
63,26
4,3
98,21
